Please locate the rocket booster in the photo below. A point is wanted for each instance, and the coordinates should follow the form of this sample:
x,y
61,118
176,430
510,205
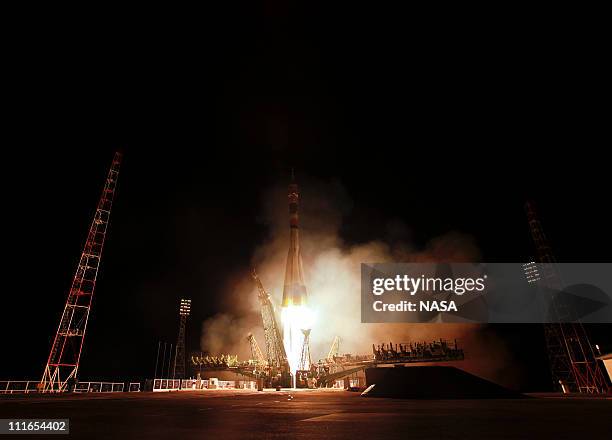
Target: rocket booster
x,y
294,291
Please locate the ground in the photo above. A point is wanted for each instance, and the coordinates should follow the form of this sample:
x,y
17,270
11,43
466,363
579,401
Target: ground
x,y
227,415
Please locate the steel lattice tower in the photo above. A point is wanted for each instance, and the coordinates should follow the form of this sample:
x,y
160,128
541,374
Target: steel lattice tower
x,y
256,354
305,359
63,362
275,350
179,355
571,356
334,349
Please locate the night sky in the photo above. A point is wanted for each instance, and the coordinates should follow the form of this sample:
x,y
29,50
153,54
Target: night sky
x,y
445,136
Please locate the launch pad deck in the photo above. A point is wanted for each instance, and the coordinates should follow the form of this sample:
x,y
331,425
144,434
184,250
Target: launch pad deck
x,y
311,414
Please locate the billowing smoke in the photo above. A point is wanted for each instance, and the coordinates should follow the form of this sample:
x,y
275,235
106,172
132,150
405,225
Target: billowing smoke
x,y
333,279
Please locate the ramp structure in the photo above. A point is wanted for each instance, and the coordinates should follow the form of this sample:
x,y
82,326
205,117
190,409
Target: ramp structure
x,y
432,382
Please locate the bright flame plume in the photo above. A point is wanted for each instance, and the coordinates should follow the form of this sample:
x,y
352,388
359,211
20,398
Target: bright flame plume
x,y
295,319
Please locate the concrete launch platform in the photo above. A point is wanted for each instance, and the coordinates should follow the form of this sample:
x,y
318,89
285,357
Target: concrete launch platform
x,y
311,414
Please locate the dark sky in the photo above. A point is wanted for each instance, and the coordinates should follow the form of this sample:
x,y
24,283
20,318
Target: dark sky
x,y
441,134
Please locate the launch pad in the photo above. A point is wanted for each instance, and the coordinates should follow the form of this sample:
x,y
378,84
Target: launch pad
x,y
326,372
287,362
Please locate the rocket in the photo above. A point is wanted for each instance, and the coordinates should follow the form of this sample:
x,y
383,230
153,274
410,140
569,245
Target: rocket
x,y
294,290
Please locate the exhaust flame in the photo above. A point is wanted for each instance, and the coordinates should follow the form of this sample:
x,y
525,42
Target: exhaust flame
x,y
295,319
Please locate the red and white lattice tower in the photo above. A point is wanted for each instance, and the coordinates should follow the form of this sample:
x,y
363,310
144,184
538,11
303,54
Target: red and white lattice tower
x,y
63,363
573,364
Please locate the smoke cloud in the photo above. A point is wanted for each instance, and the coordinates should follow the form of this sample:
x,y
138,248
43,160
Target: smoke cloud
x,y
333,279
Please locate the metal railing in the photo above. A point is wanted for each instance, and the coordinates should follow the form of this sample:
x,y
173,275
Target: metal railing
x,y
33,386
166,384
194,384
19,386
177,384
99,387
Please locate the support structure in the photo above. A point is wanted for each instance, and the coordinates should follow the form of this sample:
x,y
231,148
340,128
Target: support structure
x,y
179,356
573,364
334,349
305,359
63,362
277,357
256,354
